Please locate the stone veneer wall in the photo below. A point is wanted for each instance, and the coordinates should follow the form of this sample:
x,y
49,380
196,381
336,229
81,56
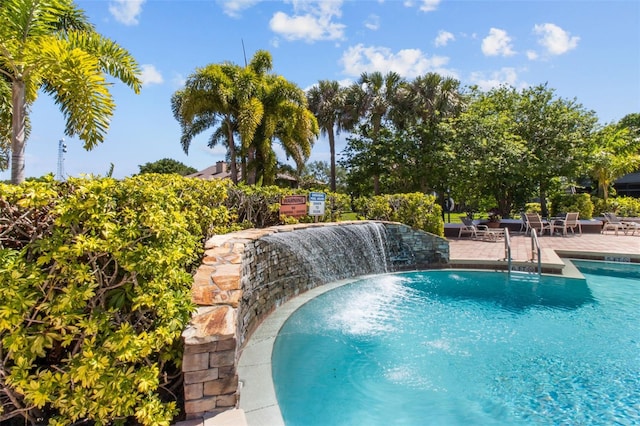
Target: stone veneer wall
x,y
239,284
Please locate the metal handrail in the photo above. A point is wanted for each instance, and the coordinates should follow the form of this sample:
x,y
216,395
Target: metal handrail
x,y
507,249
535,244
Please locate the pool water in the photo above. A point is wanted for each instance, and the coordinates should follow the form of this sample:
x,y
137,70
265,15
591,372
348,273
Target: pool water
x,y
465,348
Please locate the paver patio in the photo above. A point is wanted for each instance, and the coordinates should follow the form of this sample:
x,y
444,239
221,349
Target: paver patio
x,y
610,245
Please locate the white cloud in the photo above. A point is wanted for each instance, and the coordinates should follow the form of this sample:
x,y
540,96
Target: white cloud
x,y
429,5
556,40
408,63
126,11
233,8
150,75
443,38
425,5
532,55
311,21
497,43
372,22
505,75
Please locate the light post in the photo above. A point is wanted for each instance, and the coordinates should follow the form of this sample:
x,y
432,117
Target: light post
x,y
448,203
62,148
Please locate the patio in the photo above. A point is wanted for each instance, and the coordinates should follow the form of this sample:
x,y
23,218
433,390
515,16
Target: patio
x,y
466,252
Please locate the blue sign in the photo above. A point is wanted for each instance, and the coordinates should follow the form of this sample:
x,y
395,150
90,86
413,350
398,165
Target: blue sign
x,y
317,196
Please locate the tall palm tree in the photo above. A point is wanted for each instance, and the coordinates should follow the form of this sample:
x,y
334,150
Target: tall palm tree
x,y
326,101
425,102
371,100
5,122
287,120
224,97
49,45
251,103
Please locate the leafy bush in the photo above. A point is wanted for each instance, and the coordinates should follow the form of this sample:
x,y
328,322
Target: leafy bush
x,y
96,280
416,209
564,203
621,206
259,206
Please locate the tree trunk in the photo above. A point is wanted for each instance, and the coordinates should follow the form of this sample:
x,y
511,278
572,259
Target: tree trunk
x,y
251,163
544,211
332,149
376,184
233,162
18,128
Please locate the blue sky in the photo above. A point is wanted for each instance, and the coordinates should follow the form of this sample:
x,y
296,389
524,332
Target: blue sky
x,y
588,50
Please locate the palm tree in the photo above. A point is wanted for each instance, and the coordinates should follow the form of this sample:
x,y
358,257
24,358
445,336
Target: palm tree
x,y
224,97
424,103
615,154
5,122
326,101
49,45
371,100
250,103
287,120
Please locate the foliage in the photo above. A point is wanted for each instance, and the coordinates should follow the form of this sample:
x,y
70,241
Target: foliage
x,y
397,145
317,173
49,46
96,280
417,210
556,132
533,208
622,206
490,155
615,153
566,203
327,102
166,166
251,105
259,206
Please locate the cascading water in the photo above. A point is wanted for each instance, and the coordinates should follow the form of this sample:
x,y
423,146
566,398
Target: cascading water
x,y
331,253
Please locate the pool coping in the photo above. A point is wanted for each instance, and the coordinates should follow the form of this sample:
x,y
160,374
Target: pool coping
x,y
258,399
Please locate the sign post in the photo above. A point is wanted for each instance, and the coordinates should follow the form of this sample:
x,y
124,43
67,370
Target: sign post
x,y
316,204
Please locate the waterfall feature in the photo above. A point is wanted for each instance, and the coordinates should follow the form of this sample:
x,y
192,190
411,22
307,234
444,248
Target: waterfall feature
x,y
331,253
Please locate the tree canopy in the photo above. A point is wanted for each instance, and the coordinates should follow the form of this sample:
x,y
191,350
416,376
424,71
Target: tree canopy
x,y
167,166
49,45
251,105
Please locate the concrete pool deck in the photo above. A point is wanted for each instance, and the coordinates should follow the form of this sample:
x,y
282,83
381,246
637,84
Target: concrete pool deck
x,y
258,405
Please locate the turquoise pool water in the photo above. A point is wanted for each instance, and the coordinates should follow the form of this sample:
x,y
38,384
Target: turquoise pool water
x,y
465,348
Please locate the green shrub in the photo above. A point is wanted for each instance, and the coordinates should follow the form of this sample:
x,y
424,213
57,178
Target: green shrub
x,y
564,203
96,280
417,210
621,206
533,208
259,206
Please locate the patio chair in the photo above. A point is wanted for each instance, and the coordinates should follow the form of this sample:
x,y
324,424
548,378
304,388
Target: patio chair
x,y
613,223
470,228
524,225
570,221
535,222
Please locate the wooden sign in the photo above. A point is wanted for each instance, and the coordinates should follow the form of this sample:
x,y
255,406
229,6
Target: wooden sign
x,y
294,205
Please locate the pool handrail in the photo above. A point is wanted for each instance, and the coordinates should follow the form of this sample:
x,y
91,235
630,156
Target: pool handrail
x,y
507,249
535,250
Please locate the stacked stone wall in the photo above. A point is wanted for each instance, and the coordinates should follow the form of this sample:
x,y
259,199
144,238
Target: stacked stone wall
x,y
242,280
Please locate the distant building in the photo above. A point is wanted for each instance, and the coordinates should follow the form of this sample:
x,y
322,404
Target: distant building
x,y
217,171
220,171
628,185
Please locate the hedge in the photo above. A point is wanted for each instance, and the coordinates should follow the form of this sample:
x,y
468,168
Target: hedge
x,y
96,279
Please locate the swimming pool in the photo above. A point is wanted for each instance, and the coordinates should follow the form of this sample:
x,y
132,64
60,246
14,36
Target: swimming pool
x,y
465,347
